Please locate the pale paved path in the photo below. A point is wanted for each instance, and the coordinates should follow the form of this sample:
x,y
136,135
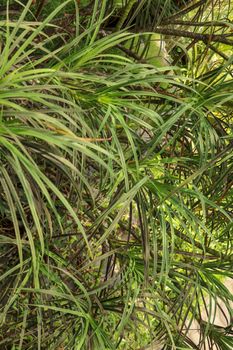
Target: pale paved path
x,y
219,320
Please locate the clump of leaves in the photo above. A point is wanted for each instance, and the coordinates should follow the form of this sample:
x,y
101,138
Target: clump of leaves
x,y
116,196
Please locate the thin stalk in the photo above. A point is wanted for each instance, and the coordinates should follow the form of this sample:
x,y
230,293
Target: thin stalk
x,y
125,14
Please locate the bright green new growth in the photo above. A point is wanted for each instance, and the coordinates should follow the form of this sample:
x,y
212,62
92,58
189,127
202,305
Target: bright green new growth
x,y
151,48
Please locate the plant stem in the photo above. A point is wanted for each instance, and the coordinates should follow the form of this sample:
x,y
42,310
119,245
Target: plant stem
x,y
206,38
125,14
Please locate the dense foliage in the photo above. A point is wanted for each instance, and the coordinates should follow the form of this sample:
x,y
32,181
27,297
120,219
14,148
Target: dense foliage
x,y
116,172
